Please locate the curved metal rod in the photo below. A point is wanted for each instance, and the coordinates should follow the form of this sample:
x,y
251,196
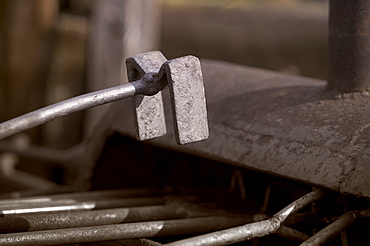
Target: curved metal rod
x,y
335,228
75,104
149,84
252,230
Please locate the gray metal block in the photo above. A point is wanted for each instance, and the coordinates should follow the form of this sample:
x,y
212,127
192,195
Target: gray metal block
x,y
185,81
148,110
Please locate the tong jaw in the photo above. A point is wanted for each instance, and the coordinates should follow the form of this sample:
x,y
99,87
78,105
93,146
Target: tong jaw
x,y
185,81
148,110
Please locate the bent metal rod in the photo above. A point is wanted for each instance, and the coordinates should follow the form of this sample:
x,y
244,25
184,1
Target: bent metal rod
x,y
149,84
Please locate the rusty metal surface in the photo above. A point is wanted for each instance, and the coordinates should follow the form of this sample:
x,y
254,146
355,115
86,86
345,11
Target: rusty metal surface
x,y
148,111
349,45
283,125
121,231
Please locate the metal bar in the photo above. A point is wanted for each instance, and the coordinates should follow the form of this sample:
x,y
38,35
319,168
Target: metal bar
x,y
291,234
185,81
68,205
99,203
84,196
90,218
335,228
109,193
252,230
75,104
148,111
149,84
349,46
298,217
121,231
37,192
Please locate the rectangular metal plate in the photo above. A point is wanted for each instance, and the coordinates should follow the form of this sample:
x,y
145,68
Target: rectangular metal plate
x,y
148,110
186,86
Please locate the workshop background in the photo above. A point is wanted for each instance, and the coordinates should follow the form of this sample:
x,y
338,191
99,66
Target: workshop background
x,y
52,50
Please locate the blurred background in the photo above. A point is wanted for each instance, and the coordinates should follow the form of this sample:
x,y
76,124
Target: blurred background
x,y
51,50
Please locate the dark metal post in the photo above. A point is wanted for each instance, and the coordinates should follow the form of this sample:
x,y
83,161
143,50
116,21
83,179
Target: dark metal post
x,y
349,45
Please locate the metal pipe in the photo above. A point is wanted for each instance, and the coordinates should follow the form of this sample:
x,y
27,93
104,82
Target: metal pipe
x,y
335,228
91,218
121,231
252,230
349,46
68,205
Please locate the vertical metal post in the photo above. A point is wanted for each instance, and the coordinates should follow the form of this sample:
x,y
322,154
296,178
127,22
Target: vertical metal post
x,y
349,45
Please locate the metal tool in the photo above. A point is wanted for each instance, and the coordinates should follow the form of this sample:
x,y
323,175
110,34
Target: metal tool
x,y
184,77
148,110
188,99
185,81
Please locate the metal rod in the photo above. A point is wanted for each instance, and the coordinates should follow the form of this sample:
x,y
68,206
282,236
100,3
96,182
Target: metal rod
x,y
296,218
149,84
68,205
84,196
291,234
252,230
37,192
75,104
335,228
121,231
90,218
118,193
349,46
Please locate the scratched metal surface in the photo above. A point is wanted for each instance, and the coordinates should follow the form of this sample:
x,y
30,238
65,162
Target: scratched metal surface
x,y
148,110
283,125
186,86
